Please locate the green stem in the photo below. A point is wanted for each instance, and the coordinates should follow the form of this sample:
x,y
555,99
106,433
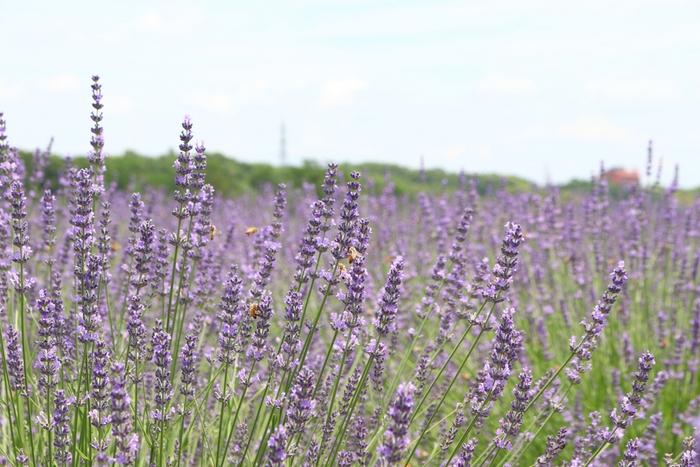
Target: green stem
x,y
351,408
221,415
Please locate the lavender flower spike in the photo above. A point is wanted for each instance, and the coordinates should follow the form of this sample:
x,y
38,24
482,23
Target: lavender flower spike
x,y
61,420
121,416
388,303
396,436
277,447
505,264
629,459
301,405
15,363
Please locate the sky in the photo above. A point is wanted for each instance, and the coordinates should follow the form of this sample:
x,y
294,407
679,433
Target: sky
x,y
545,90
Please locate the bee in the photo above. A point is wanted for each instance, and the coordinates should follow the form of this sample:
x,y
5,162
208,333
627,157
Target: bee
x,y
352,254
213,231
250,231
342,268
115,246
254,310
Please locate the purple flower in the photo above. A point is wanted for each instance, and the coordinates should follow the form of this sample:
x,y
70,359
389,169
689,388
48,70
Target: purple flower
x,y
162,359
505,264
479,395
301,404
41,160
82,217
136,329
599,315
186,177
160,264
306,257
360,440
48,221
48,363
348,220
184,165
291,345
104,240
143,250
203,226
262,277
15,197
467,454
324,209
15,363
456,255
21,458
396,436
96,117
452,432
628,407
120,405
280,202
276,447
189,366
89,279
345,459
363,233
388,303
355,297
629,459
61,423
262,328
510,424
200,163
100,378
555,444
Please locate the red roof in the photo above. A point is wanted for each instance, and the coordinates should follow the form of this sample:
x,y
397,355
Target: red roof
x,y
621,176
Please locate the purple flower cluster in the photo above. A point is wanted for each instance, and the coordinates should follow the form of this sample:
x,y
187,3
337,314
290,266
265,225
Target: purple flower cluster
x,y
396,436
372,327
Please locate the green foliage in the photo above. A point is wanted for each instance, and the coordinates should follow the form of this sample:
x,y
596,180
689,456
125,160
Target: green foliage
x,y
133,172
233,178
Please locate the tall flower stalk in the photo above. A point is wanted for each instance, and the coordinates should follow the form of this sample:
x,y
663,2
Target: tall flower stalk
x,y
299,326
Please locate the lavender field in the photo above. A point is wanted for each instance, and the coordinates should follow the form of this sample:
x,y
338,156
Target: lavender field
x,y
360,327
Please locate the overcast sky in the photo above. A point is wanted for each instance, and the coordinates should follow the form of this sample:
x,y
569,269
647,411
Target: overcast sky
x,y
531,88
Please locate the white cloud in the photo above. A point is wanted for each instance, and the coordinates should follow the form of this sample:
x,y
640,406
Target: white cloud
x,y
60,83
638,89
341,92
218,102
255,93
500,84
151,22
586,128
10,92
597,128
118,105
453,153
174,22
484,153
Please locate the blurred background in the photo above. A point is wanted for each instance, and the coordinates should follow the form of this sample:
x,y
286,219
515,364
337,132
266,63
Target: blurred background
x,y
543,90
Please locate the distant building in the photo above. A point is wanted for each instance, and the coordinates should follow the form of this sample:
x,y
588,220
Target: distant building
x,y
621,176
